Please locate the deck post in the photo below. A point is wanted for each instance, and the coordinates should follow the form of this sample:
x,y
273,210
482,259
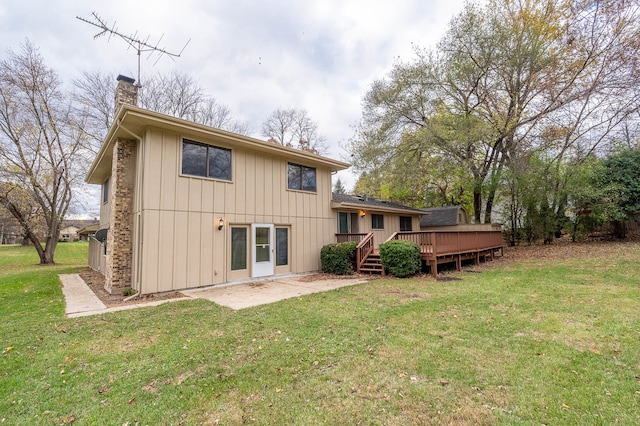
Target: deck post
x,y
434,267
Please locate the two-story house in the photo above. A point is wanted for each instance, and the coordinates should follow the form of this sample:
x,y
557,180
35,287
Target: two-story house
x,y
186,205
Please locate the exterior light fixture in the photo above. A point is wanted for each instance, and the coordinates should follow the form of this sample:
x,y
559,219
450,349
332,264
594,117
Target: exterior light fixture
x,y
362,213
220,223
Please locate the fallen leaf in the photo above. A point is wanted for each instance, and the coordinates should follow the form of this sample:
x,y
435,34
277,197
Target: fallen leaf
x,y
9,349
151,387
68,419
132,400
444,382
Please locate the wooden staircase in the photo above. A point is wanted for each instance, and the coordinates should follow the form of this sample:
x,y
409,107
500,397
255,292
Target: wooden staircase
x,y
372,264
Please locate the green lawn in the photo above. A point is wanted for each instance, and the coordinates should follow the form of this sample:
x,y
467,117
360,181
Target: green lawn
x,y
533,342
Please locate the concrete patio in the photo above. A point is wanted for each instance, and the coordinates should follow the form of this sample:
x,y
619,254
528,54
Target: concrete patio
x,y
81,301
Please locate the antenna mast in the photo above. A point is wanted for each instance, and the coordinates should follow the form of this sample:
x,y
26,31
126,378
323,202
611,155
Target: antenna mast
x,y
133,41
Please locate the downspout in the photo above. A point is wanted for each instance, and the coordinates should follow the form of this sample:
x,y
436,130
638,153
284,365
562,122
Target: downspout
x,y
139,225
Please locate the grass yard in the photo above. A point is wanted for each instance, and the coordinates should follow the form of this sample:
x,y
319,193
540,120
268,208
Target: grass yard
x,y
533,341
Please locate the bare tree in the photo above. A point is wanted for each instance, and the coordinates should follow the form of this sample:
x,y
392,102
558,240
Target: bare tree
x,y
175,94
93,99
39,148
294,128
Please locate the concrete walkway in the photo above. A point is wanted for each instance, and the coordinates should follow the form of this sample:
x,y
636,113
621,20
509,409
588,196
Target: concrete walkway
x,y
239,296
81,301
79,298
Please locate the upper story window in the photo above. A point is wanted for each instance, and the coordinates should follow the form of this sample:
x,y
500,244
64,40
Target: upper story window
x,y
377,221
301,177
205,160
105,191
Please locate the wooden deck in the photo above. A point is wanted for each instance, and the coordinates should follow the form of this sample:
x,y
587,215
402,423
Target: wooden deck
x,y
436,247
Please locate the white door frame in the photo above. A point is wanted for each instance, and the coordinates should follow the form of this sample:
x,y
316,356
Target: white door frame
x,y
265,267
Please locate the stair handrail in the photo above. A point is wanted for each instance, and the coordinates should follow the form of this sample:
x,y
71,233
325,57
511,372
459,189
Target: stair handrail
x,y
393,236
364,249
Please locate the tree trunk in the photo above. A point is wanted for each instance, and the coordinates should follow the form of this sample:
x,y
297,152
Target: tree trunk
x,y
50,250
36,243
489,207
477,203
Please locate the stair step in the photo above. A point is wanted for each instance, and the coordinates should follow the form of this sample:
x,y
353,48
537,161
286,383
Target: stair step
x,y
372,264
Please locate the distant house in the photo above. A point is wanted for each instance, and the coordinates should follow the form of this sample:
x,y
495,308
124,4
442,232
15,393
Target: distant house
x,y
11,232
443,216
70,230
451,218
88,231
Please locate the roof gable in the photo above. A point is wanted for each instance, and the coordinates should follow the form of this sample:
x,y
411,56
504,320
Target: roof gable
x,y
131,122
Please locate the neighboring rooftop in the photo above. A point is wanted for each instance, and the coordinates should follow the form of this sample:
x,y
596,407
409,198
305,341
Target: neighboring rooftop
x,y
444,216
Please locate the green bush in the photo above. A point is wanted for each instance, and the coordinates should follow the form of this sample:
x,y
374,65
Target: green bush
x,y
401,258
339,258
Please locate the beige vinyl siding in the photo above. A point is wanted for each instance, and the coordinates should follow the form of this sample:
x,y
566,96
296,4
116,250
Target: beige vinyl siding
x,y
182,246
105,210
391,224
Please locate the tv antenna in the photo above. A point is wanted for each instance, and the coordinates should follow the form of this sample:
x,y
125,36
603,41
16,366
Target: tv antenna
x,y
134,41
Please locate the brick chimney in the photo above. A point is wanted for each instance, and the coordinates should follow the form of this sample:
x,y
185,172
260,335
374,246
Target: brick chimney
x,y
118,274
126,92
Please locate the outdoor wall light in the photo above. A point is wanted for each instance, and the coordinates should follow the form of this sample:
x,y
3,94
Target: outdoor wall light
x,y
220,223
362,213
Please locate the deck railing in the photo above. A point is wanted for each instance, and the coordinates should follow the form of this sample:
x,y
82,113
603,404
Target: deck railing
x,y
435,244
346,238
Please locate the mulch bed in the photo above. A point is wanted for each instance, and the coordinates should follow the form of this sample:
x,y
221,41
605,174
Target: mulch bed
x,y
95,280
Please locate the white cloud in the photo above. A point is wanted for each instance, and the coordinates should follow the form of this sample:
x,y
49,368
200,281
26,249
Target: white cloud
x,y
254,56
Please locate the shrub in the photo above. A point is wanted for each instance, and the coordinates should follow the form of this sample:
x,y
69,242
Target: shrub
x,y
401,258
339,258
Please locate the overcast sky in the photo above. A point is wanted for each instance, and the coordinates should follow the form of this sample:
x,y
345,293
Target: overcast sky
x,y
253,56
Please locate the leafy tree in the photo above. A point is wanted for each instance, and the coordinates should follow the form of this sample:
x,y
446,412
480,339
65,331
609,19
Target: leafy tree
x,y
508,80
591,201
40,148
622,171
294,128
